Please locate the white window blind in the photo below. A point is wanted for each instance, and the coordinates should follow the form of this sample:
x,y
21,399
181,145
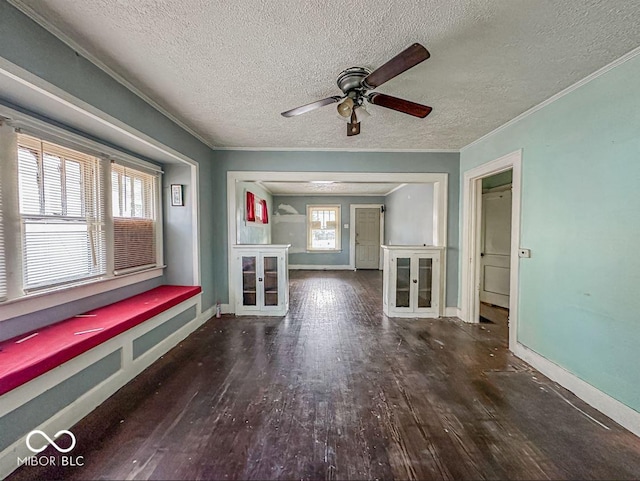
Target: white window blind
x,y
323,227
3,268
133,196
61,200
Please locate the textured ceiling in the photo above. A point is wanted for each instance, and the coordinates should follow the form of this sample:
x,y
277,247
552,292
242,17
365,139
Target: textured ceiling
x,y
228,68
334,188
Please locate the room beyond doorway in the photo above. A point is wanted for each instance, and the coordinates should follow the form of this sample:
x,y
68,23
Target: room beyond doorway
x,y
438,212
495,248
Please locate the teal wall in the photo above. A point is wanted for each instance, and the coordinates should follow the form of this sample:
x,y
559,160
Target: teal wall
x,y
298,237
237,160
26,44
579,302
409,216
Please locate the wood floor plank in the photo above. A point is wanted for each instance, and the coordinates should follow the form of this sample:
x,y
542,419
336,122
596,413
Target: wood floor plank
x,y
336,390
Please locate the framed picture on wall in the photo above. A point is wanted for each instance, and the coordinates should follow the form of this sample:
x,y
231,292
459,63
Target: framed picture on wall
x,y
176,195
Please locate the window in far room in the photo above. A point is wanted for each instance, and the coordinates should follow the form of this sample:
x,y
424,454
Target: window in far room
x,y
323,228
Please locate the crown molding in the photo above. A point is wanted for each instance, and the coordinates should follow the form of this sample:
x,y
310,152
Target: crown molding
x,y
333,149
63,37
598,73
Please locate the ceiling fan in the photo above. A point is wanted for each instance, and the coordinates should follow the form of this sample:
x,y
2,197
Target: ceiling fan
x,y
355,82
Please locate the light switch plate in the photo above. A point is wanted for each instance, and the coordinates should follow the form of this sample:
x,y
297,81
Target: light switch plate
x,y
346,226
524,253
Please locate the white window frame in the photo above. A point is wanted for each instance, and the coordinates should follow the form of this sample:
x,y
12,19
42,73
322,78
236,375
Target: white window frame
x,y
338,210
94,224
19,302
153,207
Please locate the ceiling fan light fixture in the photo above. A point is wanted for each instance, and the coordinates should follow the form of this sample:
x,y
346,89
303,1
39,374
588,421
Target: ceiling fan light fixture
x,y
345,108
361,113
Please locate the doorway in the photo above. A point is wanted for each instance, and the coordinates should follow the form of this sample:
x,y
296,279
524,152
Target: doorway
x,y
367,228
472,243
495,248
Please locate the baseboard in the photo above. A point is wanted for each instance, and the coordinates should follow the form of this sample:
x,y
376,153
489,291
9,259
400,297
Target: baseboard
x,y
309,267
452,312
621,413
208,314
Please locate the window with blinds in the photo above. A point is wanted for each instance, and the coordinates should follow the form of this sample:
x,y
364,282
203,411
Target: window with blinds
x,y
61,202
323,227
133,196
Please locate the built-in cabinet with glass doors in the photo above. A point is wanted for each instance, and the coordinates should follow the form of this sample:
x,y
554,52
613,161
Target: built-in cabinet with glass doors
x,y
262,279
412,282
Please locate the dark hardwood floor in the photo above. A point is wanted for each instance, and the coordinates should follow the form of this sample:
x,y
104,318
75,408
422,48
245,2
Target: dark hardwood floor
x,y
494,314
337,390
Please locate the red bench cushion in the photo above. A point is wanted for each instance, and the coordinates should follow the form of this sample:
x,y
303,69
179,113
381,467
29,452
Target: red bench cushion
x,y
53,345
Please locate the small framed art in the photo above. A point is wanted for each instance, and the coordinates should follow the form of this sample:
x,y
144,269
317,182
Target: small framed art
x,y
177,197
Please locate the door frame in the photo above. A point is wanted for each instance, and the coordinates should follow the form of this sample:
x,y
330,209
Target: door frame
x,y
471,224
352,232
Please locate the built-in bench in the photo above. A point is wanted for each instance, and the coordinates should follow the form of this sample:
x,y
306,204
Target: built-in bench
x,y
51,378
27,357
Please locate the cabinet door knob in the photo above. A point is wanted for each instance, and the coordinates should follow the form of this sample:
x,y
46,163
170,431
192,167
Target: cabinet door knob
x,y
415,281
259,279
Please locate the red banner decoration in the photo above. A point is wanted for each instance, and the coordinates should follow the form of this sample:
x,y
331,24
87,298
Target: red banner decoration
x,y
251,207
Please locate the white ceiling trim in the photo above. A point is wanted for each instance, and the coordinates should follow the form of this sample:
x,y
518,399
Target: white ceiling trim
x,y
308,176
56,32
626,57
334,149
328,194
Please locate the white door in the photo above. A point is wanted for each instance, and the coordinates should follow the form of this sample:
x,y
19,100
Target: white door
x,y
495,248
367,238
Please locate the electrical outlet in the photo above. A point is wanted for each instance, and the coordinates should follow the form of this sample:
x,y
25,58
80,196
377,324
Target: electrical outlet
x,y
524,253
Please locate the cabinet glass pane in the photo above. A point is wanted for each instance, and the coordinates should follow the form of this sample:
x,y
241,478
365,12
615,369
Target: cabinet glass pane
x,y
425,277
403,281
270,281
249,264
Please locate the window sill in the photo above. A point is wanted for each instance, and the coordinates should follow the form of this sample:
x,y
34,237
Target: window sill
x,y
323,251
38,301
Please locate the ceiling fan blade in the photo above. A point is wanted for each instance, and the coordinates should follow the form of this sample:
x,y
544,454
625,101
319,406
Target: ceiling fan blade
x,y
312,106
402,62
401,105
